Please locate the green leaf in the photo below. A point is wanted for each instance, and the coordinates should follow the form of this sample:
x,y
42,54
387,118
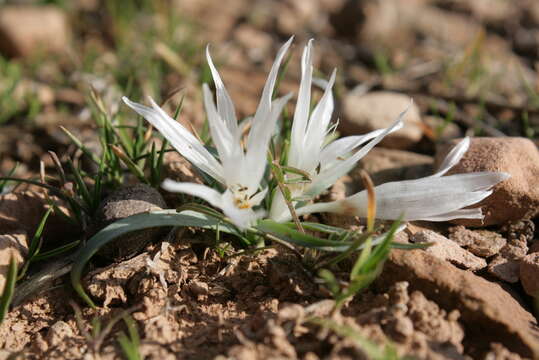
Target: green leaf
x,y
9,288
298,238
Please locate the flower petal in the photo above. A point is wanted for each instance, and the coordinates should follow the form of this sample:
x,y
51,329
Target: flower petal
x,y
303,104
182,139
328,177
225,106
453,157
204,192
264,107
255,158
227,145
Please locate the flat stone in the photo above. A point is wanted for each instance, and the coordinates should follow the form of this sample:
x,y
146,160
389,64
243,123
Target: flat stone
x,y
488,312
377,110
27,30
513,199
479,242
445,249
529,274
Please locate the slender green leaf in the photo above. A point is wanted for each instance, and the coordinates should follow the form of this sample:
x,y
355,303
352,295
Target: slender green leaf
x,y
9,288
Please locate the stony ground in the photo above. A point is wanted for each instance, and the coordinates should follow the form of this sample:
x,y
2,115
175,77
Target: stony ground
x,y
471,68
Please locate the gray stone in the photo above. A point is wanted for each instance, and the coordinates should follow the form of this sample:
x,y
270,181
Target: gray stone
x,y
123,203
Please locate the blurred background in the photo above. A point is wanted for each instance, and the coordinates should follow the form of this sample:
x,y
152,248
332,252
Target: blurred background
x,y
470,66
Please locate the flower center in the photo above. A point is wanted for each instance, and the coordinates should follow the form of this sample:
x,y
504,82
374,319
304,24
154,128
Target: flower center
x,y
241,196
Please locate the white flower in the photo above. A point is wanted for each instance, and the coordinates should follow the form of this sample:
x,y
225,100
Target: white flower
x,y
308,152
433,198
239,171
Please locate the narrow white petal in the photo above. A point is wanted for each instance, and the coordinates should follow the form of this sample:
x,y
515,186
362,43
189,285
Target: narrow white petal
x,y
328,177
259,136
180,138
258,197
225,106
475,213
223,139
479,181
317,128
418,207
303,104
453,157
204,192
264,106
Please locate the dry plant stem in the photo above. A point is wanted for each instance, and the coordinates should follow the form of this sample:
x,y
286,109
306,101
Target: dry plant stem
x,y
289,204
371,195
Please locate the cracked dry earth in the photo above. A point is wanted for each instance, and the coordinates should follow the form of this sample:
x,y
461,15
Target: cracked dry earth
x,y
191,302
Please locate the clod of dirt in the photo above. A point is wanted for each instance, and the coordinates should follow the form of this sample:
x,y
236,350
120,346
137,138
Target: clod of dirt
x,y
522,230
120,204
385,165
505,266
479,242
28,30
377,110
529,274
482,304
416,323
513,199
445,249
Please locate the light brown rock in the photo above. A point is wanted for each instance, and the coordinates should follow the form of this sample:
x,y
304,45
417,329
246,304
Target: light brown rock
x,y
482,304
377,110
448,250
26,30
479,242
385,165
513,199
529,274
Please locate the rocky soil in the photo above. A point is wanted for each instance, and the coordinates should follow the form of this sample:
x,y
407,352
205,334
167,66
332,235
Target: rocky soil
x,y
471,69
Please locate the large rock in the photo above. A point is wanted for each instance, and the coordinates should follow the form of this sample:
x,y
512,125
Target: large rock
x,y
513,199
125,202
27,30
489,313
377,110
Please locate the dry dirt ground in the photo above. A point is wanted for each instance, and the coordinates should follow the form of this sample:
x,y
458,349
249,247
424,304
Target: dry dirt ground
x,y
474,63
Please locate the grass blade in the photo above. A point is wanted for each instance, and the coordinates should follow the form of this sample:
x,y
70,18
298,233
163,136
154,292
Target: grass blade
x,y
9,288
